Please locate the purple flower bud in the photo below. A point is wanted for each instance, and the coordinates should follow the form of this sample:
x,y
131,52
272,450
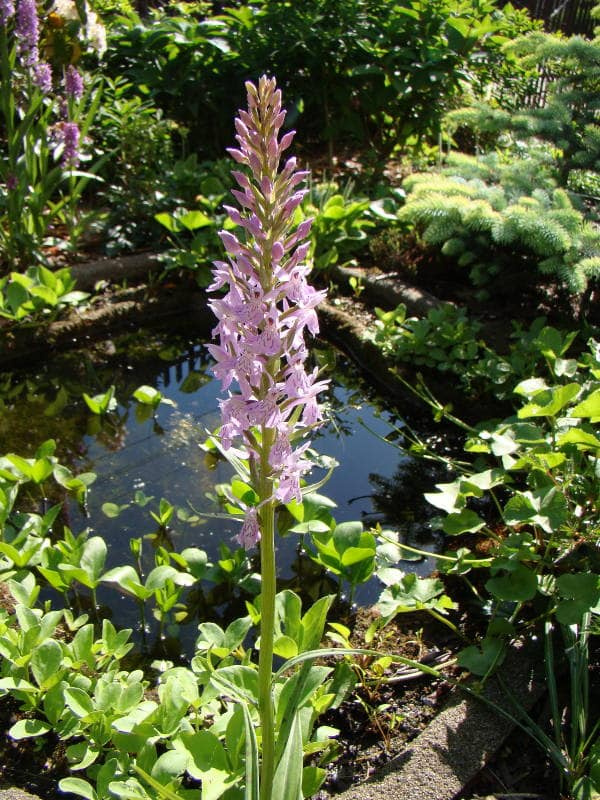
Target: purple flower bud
x,y
7,10
70,138
73,83
244,198
42,77
286,141
241,179
238,155
294,201
279,120
277,252
11,182
230,242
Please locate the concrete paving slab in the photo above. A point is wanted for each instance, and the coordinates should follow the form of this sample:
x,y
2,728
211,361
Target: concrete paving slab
x,y
457,743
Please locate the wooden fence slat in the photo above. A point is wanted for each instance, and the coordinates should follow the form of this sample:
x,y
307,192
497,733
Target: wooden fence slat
x,y
569,16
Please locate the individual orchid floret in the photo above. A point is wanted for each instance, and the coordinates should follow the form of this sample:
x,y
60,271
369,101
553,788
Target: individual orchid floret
x,y
249,536
267,308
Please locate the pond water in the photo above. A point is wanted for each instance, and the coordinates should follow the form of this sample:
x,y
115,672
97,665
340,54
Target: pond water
x,y
131,451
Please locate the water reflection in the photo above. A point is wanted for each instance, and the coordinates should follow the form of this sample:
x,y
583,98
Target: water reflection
x,y
141,457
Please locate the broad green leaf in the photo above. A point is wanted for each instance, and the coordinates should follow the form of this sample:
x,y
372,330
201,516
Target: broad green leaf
x,y
79,787
17,685
168,221
581,439
132,789
127,580
112,510
481,660
28,728
299,688
236,632
22,464
238,681
44,293
518,585
41,470
580,593
160,575
195,219
93,556
448,497
129,698
78,701
530,387
82,755
147,394
45,663
347,534
549,402
589,407
312,780
462,522
54,408
544,507
285,647
413,593
356,555
207,761
287,782
503,443
171,764
101,403
313,623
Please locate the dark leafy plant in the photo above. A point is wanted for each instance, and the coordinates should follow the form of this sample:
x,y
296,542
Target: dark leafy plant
x,y
368,72
38,293
531,490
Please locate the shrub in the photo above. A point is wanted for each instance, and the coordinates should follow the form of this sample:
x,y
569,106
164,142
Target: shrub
x,y
498,216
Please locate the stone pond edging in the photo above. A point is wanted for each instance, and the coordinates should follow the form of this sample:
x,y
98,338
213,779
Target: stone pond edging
x,y
458,742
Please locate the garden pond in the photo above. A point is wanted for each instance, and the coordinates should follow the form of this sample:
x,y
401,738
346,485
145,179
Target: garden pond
x,y
155,484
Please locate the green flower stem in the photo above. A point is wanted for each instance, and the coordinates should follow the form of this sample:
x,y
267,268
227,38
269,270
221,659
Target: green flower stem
x,y
474,562
447,623
267,619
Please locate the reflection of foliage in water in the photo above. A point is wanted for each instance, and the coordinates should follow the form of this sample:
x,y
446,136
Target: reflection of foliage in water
x,y
32,402
344,375
400,500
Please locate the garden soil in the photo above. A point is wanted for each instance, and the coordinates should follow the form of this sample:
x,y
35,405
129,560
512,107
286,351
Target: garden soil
x,y
451,751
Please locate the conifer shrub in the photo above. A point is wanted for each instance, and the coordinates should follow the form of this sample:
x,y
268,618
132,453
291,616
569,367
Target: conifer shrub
x,y
531,205
497,216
